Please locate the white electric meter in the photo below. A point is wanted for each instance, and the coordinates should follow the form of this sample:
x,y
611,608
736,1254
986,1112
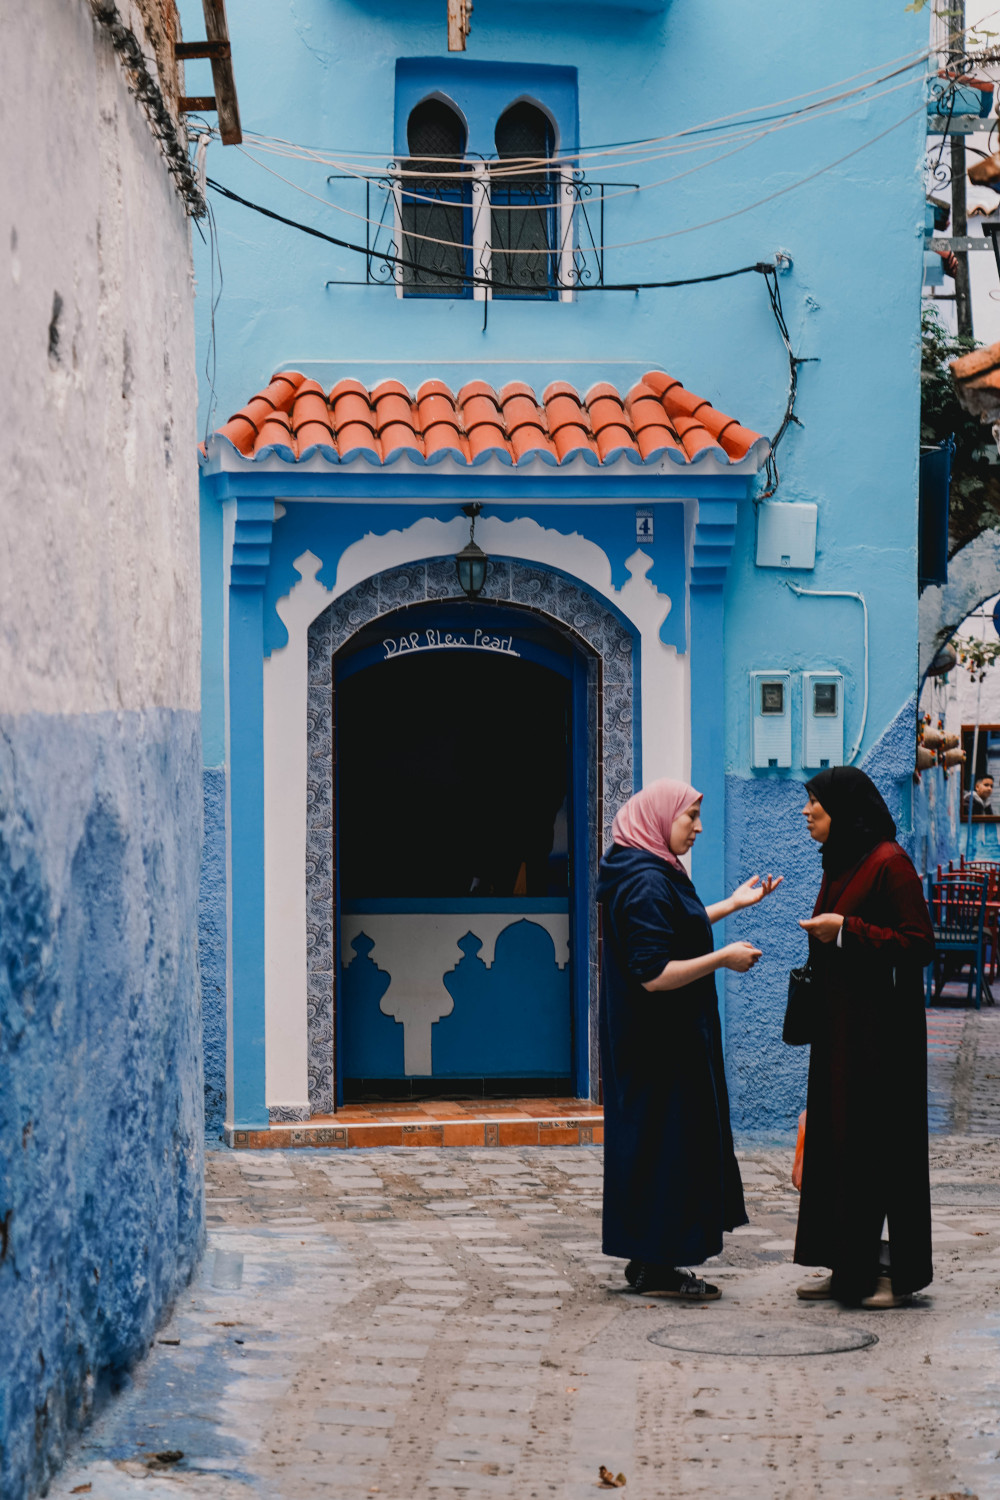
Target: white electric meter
x,y
771,719
823,719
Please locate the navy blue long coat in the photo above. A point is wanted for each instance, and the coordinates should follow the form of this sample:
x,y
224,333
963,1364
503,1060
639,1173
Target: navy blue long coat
x,y
671,1182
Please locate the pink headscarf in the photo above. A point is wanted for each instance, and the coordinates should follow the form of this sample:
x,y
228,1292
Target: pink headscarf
x,y
647,818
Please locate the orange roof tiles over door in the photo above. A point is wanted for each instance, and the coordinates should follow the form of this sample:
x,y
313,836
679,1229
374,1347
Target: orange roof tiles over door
x,y
294,418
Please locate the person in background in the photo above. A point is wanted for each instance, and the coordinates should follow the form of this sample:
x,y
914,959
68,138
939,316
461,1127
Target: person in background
x,y
671,1182
981,794
866,1157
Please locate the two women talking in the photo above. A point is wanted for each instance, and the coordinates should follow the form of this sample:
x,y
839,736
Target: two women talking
x,y
671,1181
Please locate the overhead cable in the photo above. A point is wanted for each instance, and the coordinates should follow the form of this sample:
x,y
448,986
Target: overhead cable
x,y
618,245
412,195
461,278
910,60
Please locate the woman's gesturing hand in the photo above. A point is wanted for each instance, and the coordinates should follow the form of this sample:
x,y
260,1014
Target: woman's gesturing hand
x,y
738,956
824,927
754,890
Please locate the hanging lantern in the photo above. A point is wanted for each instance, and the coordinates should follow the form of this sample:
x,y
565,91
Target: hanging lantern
x,y
472,561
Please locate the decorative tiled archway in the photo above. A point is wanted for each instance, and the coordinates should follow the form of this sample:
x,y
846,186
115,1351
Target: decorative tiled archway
x,y
612,649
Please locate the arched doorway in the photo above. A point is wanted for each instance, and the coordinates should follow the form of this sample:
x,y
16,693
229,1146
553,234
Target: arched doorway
x,y
456,842
553,613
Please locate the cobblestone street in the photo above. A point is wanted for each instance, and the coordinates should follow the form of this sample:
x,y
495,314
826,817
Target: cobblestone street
x,y
441,1323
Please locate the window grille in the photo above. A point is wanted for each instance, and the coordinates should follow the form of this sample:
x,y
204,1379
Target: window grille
x,y
523,229
552,216
435,208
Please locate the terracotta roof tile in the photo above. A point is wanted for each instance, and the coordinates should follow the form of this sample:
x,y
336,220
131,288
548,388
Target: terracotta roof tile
x,y
658,417
981,366
275,431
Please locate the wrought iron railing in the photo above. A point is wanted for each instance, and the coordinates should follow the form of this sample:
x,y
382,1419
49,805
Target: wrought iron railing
x,y
475,233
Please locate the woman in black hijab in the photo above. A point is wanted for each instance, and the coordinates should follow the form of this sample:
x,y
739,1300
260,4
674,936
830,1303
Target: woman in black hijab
x,y
866,1124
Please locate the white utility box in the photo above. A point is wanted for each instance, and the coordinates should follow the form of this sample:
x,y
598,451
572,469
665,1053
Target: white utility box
x,y
771,719
786,534
822,719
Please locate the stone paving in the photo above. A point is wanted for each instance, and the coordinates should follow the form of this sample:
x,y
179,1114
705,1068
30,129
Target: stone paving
x,y
429,1324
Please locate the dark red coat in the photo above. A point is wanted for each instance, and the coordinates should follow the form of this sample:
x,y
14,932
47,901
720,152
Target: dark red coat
x,y
866,1126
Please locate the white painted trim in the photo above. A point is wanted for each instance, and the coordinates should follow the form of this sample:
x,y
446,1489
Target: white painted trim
x,y
228,537
416,950
482,222
224,458
565,227
397,227
666,733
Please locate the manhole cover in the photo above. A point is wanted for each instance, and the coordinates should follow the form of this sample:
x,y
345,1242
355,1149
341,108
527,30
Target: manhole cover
x,y
761,1340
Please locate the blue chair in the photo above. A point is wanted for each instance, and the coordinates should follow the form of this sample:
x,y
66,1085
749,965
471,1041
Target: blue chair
x,y
957,911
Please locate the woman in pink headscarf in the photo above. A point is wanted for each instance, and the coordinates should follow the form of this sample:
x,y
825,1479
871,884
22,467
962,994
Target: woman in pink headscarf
x,y
671,1182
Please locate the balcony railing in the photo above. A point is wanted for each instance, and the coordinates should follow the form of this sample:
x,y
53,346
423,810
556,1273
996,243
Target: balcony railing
x,y
471,234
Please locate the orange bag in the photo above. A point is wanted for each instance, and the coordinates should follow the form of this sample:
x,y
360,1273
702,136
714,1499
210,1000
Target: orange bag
x,y
800,1150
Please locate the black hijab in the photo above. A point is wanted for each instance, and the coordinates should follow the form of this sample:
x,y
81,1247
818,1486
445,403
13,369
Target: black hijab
x,y
859,818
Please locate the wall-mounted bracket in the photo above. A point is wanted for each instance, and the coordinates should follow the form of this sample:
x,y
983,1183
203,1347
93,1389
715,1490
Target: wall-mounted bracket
x,y
959,242
459,24
959,125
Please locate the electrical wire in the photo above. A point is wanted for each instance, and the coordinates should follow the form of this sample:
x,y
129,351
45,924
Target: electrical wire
x,y
414,196
843,594
771,476
903,63
515,169
598,249
910,60
460,277
215,297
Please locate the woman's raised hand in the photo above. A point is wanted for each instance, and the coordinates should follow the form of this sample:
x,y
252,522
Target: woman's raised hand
x,y
825,927
739,957
754,890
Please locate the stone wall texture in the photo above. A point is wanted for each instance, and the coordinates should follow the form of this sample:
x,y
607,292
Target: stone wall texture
x,y
212,950
101,1203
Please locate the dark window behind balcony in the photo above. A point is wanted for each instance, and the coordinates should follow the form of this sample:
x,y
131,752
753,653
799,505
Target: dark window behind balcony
x,y
436,206
523,205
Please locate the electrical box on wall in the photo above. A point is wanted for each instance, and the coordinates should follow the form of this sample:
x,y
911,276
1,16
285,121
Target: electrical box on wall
x,y
770,719
786,534
823,719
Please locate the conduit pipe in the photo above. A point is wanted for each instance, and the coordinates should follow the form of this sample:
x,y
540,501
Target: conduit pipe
x,y
844,594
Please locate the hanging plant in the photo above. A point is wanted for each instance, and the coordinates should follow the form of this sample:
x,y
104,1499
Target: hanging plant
x,y
976,656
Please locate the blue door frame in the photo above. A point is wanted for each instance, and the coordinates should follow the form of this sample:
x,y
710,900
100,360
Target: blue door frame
x,y
454,626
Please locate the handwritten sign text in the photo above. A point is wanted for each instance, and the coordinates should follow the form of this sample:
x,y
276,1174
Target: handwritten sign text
x,y
444,640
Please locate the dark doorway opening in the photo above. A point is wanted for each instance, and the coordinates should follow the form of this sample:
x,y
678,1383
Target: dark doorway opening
x,y
454,777
457,785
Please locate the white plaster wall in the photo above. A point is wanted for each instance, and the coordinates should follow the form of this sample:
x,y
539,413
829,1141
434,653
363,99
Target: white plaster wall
x,y
99,605
666,741
957,697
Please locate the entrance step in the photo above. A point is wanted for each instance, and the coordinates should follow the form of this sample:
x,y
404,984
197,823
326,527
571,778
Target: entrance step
x,y
433,1122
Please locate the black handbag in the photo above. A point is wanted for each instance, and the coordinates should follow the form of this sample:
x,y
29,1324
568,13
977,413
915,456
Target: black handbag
x,y
799,1012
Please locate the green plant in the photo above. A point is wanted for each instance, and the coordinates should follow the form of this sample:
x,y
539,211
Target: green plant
x,y
975,481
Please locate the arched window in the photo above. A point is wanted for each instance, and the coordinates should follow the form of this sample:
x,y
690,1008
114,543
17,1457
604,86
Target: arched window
x,y
436,205
523,205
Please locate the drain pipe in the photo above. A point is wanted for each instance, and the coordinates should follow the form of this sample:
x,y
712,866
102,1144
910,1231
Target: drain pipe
x,y
843,594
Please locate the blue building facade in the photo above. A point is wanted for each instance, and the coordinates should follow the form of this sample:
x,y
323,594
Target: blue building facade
x,y
407,789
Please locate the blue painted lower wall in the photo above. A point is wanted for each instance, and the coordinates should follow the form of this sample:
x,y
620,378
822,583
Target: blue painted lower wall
x,y
212,950
766,832
101,1121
